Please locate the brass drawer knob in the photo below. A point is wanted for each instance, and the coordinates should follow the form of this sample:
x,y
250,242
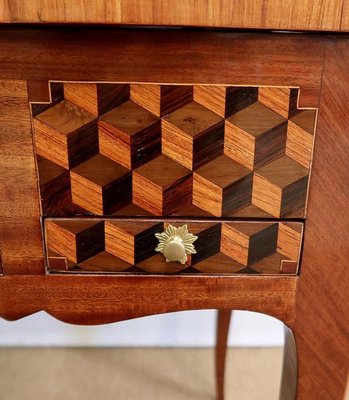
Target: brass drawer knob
x,y
176,243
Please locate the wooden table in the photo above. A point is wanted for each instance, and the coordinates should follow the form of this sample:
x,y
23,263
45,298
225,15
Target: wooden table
x,y
110,135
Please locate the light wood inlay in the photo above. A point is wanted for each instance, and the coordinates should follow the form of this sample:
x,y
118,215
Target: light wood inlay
x,y
300,137
281,100
83,95
212,97
289,241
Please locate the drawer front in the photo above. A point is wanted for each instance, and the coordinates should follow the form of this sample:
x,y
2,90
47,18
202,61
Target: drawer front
x,y
150,246
173,150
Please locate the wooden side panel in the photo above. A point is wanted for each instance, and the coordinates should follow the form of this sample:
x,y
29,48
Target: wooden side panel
x,y
271,14
20,236
322,323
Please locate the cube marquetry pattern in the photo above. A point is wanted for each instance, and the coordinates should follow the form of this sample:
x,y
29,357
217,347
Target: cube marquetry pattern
x,y
181,150
128,246
75,241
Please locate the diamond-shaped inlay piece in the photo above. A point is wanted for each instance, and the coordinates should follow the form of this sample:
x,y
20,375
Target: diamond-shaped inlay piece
x,y
66,134
280,187
129,135
192,135
162,186
289,240
300,137
100,185
222,186
255,135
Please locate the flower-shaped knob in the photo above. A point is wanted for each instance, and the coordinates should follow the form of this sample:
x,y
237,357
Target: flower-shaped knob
x,y
176,243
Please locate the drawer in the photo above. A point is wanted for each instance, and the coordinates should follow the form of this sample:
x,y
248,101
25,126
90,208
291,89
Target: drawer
x,y
151,246
173,150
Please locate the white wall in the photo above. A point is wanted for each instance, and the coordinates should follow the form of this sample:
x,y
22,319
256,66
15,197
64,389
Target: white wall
x,y
189,328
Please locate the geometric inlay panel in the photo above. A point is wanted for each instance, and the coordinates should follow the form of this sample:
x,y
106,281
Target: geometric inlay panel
x,y
173,150
96,245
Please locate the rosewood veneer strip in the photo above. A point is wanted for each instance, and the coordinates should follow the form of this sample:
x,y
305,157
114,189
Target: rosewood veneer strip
x,y
128,58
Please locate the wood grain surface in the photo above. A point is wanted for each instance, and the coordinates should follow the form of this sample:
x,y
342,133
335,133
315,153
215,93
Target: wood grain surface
x,y
20,232
144,56
345,16
270,14
314,304
128,60
91,300
322,324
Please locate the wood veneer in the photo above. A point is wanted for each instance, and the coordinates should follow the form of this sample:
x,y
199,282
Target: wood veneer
x,y
257,14
322,295
313,304
245,247
316,297
92,300
21,246
20,230
177,160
